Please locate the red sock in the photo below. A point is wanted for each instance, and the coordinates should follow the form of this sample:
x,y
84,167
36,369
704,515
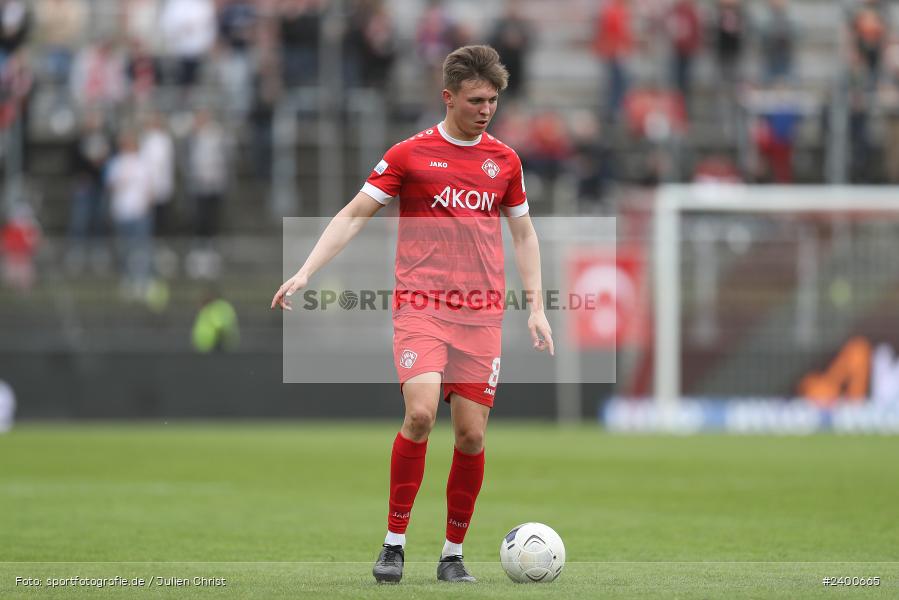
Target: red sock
x,y
407,467
465,478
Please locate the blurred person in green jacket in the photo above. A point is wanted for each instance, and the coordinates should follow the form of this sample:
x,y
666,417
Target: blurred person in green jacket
x,y
216,328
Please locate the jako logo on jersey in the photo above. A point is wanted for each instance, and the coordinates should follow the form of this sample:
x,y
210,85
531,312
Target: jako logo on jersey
x,y
435,163
407,359
465,198
491,168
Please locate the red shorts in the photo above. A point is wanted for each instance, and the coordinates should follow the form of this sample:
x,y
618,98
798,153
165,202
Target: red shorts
x,y
466,356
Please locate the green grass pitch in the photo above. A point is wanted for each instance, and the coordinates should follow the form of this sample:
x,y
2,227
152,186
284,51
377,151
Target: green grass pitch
x,y
298,511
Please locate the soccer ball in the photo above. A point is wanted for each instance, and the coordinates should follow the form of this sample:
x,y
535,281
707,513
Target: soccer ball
x,y
532,552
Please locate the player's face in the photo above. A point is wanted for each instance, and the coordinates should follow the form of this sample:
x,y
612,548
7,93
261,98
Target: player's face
x,y
471,107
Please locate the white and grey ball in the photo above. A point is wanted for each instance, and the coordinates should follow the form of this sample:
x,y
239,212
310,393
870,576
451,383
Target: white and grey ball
x,y
532,553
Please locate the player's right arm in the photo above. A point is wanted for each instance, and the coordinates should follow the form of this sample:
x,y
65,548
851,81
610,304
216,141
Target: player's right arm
x,y
382,184
342,228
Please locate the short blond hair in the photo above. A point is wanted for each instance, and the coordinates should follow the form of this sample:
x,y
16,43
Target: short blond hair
x,y
474,63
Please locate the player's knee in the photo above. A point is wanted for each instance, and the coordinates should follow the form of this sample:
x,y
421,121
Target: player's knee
x,y
419,423
470,440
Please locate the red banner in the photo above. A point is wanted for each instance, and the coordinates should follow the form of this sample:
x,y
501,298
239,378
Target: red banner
x,y
607,301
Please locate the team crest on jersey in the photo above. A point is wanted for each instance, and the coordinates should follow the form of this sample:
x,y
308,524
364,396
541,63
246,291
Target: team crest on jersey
x,y
491,168
407,359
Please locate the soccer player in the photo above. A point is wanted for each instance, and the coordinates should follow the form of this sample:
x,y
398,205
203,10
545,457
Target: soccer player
x,y
453,180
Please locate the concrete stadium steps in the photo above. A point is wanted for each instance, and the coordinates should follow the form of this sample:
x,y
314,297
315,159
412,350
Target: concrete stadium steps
x,y
92,317
246,207
88,305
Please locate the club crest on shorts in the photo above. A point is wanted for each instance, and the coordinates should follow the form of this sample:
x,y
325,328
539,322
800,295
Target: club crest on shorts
x,y
407,359
491,168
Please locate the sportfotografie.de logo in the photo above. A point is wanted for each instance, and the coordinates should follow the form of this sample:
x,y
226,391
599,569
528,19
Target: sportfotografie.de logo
x,y
374,300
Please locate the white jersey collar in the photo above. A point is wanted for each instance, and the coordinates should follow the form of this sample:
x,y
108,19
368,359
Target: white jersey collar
x,y
455,141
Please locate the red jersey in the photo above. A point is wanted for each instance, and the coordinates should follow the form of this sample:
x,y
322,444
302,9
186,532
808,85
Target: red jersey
x,y
450,268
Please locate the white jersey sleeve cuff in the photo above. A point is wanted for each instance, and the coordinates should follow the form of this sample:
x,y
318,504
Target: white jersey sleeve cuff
x,y
519,210
377,194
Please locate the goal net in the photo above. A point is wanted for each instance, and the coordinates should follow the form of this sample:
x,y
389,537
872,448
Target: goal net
x,y
777,296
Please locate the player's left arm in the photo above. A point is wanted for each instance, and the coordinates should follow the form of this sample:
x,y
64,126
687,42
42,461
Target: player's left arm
x,y
527,257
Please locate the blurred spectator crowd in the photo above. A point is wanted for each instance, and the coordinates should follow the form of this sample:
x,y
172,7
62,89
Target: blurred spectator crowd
x,y
156,101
